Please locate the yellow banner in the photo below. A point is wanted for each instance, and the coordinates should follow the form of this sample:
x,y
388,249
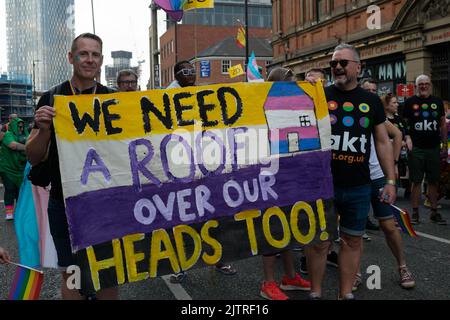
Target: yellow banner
x,y
198,4
236,71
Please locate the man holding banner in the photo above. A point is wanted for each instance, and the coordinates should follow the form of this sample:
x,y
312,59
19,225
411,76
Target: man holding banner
x,y
87,59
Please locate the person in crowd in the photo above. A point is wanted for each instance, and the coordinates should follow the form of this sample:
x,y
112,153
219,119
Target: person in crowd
x,y
127,80
12,163
86,58
185,76
291,280
427,142
332,257
356,115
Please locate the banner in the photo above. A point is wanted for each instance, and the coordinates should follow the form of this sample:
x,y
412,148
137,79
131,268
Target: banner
x,y
166,180
198,4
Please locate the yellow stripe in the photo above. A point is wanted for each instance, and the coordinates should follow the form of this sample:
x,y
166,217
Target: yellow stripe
x,y
31,279
131,119
317,93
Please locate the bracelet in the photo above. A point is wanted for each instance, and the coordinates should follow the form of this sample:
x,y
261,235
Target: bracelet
x,y
391,182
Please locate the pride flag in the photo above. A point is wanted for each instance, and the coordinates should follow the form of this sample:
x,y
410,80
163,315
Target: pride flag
x,y
403,221
253,74
27,284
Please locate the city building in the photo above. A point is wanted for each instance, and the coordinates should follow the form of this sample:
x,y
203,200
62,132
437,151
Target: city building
x,y
16,96
398,39
205,28
39,36
212,64
121,60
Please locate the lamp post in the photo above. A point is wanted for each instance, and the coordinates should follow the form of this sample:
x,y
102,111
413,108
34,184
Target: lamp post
x,y
246,36
34,82
93,15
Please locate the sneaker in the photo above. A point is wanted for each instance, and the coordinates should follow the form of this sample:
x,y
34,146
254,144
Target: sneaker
x,y
303,265
366,237
427,204
332,259
436,218
357,282
415,218
295,284
178,277
314,296
406,278
271,291
226,269
9,217
348,296
371,226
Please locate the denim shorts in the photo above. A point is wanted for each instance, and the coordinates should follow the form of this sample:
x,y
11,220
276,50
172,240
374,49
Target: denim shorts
x,y
381,210
353,205
59,230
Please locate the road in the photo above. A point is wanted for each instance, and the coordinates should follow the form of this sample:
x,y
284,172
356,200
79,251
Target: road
x,y
428,257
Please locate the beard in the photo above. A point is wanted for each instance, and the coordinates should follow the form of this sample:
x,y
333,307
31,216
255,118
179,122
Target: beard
x,y
343,82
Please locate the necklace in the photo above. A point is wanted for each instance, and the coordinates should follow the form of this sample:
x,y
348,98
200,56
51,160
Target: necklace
x,y
74,92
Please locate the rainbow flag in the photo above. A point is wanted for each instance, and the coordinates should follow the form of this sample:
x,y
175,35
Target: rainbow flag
x,y
403,221
27,284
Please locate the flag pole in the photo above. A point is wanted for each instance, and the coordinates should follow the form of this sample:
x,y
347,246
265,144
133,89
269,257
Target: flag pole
x,y
93,15
246,37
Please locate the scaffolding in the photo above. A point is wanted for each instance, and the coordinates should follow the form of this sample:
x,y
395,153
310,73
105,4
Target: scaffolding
x,y
16,96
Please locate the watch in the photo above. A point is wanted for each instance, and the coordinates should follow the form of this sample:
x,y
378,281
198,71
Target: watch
x,y
391,182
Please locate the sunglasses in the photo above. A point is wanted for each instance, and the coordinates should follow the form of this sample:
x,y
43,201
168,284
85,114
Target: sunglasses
x,y
343,63
128,82
187,72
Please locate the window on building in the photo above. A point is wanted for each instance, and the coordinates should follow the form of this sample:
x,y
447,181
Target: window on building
x,y
305,121
226,64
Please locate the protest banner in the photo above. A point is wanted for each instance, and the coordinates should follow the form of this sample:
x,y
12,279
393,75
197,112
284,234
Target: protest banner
x,y
166,180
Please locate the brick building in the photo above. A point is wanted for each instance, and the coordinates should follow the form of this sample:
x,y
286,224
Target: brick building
x,y
205,28
414,37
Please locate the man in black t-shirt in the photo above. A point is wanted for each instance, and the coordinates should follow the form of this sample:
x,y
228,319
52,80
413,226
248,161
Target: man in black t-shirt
x,y
355,116
426,131
87,59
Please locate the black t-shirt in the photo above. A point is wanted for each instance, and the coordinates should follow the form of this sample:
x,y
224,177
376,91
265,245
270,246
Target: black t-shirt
x,y
354,115
424,119
56,189
399,123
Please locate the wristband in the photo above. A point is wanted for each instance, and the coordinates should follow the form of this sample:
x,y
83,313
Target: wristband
x,y
391,182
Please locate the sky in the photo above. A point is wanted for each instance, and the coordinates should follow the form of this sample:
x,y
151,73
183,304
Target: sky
x,y
123,25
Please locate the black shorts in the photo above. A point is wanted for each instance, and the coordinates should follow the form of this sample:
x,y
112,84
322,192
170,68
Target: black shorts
x,y
59,230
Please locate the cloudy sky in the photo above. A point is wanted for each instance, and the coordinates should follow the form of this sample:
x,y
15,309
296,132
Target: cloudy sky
x,y
123,25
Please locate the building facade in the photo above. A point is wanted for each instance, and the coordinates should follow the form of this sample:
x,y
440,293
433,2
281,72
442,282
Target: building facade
x,y
16,96
203,28
39,35
121,61
398,39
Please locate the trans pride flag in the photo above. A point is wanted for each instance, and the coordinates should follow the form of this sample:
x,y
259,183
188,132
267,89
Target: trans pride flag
x,y
253,74
27,284
403,221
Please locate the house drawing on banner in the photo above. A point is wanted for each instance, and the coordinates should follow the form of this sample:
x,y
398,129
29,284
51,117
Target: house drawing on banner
x,y
292,120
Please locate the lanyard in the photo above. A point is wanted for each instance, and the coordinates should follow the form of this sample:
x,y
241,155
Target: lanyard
x,y
75,92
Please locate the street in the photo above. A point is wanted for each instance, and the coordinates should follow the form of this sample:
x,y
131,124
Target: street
x,y
428,258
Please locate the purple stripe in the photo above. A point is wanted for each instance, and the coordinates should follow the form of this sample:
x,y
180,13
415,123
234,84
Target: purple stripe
x,y
99,216
289,103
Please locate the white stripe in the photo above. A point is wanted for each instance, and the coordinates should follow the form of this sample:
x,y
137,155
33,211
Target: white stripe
x,y
429,236
176,289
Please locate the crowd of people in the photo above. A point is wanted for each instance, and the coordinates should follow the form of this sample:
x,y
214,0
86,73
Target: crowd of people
x,y
384,146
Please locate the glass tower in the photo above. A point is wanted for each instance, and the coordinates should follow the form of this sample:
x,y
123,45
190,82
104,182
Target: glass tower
x,y
39,34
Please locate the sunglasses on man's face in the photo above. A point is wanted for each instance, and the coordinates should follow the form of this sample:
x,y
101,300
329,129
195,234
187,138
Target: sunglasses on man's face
x,y
187,72
343,63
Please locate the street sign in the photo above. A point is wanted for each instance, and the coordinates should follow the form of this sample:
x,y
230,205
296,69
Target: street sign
x,y
205,69
405,90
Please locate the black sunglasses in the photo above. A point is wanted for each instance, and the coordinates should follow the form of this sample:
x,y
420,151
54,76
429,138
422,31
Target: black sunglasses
x,y
343,63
